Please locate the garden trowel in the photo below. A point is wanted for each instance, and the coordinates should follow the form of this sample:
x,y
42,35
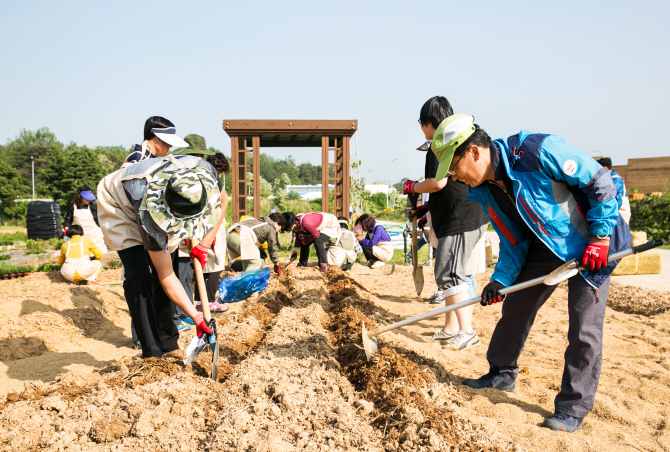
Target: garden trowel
x,y
562,273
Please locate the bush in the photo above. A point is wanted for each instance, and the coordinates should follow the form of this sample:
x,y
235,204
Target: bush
x,y
5,257
29,252
56,243
9,269
48,268
14,237
651,214
35,244
6,243
114,264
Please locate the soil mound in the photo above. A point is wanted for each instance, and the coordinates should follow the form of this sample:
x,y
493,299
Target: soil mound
x,y
637,300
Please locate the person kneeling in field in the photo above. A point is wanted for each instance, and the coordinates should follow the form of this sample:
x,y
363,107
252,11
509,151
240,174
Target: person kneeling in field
x,y
317,228
75,263
377,243
549,204
343,250
245,237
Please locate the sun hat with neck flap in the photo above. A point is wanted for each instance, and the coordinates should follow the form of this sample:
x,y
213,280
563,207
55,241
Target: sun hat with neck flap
x,y
450,134
183,202
196,145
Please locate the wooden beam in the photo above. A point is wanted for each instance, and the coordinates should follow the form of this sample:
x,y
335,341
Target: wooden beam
x,y
234,142
324,174
256,127
256,162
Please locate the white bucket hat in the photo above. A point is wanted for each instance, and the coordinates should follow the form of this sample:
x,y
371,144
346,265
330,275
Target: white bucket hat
x,y
169,135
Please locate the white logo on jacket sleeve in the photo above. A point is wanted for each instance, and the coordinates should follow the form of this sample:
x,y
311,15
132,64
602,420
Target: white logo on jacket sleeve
x,y
570,167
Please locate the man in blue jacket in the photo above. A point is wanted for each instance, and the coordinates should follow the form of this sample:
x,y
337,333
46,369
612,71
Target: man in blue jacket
x,y
549,203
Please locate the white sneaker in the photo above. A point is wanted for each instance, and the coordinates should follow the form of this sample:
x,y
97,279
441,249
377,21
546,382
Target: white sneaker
x,y
438,293
378,264
463,341
439,298
442,336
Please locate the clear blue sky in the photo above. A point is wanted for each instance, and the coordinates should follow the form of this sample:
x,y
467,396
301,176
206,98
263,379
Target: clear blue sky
x,y
596,73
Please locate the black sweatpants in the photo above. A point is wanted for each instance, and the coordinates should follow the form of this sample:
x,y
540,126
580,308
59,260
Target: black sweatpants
x,y
319,246
146,299
369,255
185,277
583,356
211,286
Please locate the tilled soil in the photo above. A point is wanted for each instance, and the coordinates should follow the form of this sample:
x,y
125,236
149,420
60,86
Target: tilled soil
x,y
291,376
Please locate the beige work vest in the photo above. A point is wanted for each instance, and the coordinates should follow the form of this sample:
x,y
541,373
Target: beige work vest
x,y
83,265
248,242
84,218
116,214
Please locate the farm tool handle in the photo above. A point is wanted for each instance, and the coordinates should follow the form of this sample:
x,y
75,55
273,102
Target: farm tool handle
x,y
204,301
532,282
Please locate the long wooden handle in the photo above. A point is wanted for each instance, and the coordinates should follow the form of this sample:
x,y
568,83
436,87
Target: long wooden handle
x,y
200,279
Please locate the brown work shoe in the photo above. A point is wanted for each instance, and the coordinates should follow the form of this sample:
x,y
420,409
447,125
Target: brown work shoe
x,y
179,354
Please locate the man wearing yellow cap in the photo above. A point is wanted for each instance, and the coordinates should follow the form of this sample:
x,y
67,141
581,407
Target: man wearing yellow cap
x,y
549,204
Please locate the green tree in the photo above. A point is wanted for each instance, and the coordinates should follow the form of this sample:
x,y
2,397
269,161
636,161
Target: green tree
x,y
66,171
11,184
27,144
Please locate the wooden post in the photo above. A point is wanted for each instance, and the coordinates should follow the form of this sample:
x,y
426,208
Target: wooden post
x,y
324,174
256,163
346,162
235,189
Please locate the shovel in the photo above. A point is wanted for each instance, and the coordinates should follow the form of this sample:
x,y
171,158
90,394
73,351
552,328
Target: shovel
x,y
417,273
562,273
199,343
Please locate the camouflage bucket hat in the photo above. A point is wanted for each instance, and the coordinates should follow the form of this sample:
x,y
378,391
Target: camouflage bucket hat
x,y
183,202
196,145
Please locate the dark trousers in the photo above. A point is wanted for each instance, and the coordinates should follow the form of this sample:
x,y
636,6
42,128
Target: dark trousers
x,y
185,277
152,317
211,286
583,356
319,246
367,251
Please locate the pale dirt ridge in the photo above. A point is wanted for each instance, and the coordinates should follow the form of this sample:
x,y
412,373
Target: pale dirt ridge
x,y
293,377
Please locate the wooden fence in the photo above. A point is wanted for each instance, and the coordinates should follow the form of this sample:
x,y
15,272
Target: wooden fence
x,y
646,175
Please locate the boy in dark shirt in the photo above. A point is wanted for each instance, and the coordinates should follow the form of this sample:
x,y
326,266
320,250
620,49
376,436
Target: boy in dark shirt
x,y
458,225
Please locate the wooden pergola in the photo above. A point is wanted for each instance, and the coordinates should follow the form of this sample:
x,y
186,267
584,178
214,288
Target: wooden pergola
x,y
249,135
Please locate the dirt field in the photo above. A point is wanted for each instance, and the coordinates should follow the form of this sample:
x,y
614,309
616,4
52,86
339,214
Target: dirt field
x,y
292,375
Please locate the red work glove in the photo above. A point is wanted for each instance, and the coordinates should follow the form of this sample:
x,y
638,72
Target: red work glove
x,y
421,211
294,256
408,187
213,243
491,294
200,253
201,326
277,269
595,253
422,222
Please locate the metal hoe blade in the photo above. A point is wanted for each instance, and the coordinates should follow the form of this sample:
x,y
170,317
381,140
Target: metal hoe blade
x,y
369,344
562,273
565,271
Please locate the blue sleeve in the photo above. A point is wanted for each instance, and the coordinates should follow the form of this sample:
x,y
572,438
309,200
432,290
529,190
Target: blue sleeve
x,y
506,270
620,190
564,163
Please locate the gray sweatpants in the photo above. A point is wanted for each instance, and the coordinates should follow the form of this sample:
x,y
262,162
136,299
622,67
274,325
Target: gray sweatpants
x,y
583,357
451,258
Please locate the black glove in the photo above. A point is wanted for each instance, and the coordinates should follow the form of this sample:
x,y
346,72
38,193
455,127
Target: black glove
x,y
421,211
422,222
491,293
293,257
277,269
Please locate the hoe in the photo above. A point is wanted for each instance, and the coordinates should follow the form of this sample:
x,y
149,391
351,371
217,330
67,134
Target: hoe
x,y
562,273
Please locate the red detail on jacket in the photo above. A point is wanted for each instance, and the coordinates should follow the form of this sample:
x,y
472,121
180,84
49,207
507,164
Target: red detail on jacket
x,y
501,226
532,217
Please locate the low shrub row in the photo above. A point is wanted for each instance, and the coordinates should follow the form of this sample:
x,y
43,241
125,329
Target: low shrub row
x,y
651,214
5,257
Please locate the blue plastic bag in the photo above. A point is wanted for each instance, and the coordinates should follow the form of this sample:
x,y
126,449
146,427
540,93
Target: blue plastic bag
x,y
242,286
